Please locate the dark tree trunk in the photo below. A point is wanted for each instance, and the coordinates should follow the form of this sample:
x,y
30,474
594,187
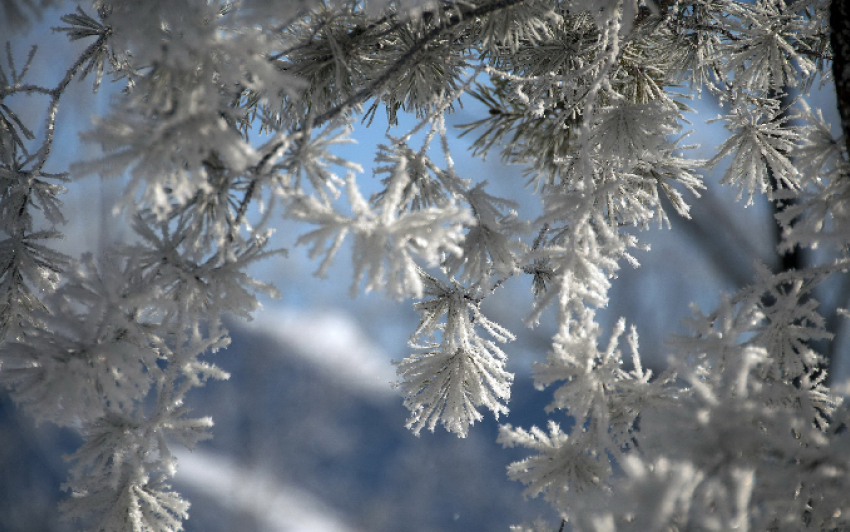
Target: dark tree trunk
x,y
839,22
839,26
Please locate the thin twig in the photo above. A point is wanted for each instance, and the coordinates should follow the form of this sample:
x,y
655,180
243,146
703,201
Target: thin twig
x,y
373,88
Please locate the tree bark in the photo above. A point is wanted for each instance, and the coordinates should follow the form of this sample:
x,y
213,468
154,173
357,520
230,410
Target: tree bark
x,y
839,22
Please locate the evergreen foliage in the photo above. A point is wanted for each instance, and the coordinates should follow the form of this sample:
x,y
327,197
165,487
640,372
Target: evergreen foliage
x,y
230,113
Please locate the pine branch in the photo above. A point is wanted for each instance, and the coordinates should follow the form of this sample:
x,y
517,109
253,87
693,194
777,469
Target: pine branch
x,y
444,26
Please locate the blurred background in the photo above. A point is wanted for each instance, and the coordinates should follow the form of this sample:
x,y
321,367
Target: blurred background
x,y
309,433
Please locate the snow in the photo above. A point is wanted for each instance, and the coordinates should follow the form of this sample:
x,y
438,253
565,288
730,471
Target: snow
x,y
334,342
275,506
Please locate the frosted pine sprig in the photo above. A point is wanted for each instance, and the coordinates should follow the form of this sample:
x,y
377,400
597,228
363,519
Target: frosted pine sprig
x,y
446,381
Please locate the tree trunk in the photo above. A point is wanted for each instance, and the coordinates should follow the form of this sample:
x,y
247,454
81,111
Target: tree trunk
x,y
839,21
